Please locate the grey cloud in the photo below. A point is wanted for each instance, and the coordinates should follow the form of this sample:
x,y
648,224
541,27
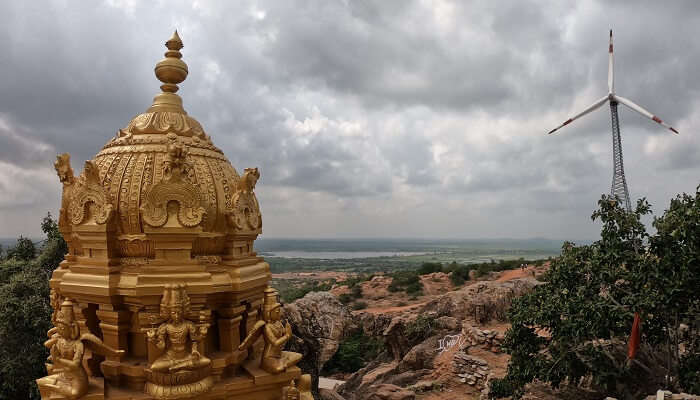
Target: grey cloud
x,y
73,74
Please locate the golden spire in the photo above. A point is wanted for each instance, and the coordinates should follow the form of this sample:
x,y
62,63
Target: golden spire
x,y
171,70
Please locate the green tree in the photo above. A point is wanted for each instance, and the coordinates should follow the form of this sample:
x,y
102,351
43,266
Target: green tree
x,y
591,294
24,250
25,317
55,247
25,312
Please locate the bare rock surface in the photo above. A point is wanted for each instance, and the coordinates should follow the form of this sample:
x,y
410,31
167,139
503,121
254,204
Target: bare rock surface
x,y
329,394
481,301
319,323
389,392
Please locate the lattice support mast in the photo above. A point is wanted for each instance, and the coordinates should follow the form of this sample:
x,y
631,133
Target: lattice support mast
x,y
619,182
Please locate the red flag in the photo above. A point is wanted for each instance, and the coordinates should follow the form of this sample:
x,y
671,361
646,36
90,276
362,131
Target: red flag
x,y
633,344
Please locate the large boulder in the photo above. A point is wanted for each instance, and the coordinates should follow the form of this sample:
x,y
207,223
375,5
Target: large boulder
x,y
481,301
319,323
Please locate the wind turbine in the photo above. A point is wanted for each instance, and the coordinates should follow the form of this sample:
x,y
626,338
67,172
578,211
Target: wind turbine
x,y
619,183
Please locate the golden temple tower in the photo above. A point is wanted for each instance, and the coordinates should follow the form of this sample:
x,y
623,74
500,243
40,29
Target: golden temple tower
x,y
161,284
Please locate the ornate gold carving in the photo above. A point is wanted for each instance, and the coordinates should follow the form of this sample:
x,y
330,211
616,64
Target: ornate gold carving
x,y
181,370
299,391
135,247
65,175
63,169
160,200
163,122
275,334
245,213
291,392
305,387
89,190
68,376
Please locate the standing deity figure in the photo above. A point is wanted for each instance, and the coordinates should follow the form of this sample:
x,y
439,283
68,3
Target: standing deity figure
x,y
275,334
181,370
69,377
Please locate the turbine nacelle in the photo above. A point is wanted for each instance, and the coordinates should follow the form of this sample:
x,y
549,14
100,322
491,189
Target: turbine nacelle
x,y
612,97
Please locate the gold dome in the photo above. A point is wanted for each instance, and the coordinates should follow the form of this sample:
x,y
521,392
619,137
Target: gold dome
x,y
162,170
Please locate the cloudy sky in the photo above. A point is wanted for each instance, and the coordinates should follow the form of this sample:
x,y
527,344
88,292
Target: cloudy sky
x,y
381,118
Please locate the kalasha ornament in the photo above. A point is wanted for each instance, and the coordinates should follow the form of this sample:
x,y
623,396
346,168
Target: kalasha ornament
x,y
161,281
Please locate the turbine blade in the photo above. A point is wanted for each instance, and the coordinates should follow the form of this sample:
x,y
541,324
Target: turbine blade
x,y
593,107
611,73
629,103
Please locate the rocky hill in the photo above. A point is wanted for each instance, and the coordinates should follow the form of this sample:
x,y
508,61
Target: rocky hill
x,y
444,348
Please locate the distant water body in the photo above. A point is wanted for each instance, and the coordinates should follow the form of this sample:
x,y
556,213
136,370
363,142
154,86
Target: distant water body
x,y
335,255
396,246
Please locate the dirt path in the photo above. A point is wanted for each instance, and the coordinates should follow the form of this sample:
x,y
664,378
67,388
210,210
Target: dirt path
x,y
515,273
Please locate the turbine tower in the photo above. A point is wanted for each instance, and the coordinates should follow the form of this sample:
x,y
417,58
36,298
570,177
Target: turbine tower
x,y
619,183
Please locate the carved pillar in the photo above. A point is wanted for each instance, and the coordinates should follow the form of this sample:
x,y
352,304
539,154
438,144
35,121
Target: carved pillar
x,y
115,329
229,322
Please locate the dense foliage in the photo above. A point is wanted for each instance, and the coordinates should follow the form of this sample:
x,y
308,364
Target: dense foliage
x,y
25,313
407,281
24,250
353,353
577,325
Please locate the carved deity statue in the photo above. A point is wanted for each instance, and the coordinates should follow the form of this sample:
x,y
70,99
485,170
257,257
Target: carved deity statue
x,y
275,333
181,370
69,377
176,333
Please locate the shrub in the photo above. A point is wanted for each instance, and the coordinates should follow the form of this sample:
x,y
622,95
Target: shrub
x,y
419,329
353,353
359,305
407,281
345,298
356,291
290,294
429,268
458,273
689,373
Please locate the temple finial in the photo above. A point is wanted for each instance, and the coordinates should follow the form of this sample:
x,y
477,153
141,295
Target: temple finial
x,y
172,70
174,43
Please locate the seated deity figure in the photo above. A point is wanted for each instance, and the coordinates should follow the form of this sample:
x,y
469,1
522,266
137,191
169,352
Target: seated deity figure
x,y
275,334
175,333
68,378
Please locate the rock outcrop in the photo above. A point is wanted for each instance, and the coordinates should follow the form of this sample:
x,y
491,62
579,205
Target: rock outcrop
x,y
319,323
453,315
487,339
389,392
481,301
